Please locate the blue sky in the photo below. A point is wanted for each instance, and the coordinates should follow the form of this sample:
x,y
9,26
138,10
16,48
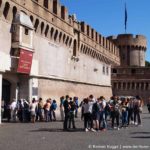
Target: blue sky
x,y
107,16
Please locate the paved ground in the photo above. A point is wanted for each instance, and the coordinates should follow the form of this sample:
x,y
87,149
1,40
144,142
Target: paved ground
x,y
50,136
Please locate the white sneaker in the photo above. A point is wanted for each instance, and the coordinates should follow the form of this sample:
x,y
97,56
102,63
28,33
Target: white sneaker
x,y
93,130
135,123
86,130
118,128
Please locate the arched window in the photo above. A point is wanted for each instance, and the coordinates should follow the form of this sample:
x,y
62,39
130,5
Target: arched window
x,y
36,24
86,50
6,9
146,87
14,12
81,48
64,37
67,40
46,30
46,4
60,36
42,27
55,36
70,42
74,48
52,31
31,18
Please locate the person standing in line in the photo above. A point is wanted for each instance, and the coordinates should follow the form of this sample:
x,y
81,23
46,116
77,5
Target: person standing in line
x,y
33,106
62,108
124,106
95,114
87,112
47,110
53,109
130,111
71,114
102,113
148,105
66,112
115,111
137,110
76,106
40,110
13,108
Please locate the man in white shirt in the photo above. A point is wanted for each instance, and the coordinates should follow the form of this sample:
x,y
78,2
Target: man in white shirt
x,y
13,108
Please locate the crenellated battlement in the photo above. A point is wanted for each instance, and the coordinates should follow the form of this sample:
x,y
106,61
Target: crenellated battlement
x,y
131,46
130,40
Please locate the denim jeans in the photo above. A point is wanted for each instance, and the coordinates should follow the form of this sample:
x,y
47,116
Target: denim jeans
x,y
102,119
124,117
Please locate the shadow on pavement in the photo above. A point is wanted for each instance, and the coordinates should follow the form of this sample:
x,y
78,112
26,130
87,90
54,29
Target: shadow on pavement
x,y
141,137
140,133
146,118
57,130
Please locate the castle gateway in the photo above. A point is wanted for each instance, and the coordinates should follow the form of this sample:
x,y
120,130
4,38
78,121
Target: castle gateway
x,y
44,52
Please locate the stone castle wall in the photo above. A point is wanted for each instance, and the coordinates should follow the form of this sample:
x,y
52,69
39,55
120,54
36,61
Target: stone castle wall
x,y
65,50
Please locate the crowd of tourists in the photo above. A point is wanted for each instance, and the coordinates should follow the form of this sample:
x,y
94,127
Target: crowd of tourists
x,y
96,113
24,111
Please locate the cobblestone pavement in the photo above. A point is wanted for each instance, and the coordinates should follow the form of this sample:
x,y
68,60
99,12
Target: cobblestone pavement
x,y
50,136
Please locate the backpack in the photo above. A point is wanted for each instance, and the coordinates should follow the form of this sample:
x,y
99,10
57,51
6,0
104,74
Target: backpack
x,y
95,108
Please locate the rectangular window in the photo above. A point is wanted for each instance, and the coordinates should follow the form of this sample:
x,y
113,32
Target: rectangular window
x,y
26,31
107,70
103,69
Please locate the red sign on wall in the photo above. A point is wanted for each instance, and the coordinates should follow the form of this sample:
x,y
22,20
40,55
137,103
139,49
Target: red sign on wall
x,y
25,61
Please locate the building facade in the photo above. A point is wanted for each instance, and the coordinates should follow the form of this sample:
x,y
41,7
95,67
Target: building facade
x,y
44,52
131,78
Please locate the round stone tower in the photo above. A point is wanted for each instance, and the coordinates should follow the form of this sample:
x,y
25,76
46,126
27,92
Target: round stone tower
x,y
132,49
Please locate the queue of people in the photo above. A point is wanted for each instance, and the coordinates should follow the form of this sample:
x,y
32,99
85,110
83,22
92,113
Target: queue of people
x,y
24,111
97,113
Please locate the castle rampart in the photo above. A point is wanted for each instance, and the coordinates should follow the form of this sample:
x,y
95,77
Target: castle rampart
x,y
68,56
51,21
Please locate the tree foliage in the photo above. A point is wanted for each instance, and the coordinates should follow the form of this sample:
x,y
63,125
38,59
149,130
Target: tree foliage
x,y
147,63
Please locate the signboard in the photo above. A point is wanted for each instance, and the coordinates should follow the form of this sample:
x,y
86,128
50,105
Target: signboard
x,y
25,61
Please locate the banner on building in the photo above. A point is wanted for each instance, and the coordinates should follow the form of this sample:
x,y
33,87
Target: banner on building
x,y
25,61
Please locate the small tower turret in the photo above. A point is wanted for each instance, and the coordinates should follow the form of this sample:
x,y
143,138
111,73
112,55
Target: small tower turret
x,y
132,49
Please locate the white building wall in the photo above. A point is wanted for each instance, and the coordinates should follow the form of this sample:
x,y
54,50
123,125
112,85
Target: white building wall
x,y
5,45
55,62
